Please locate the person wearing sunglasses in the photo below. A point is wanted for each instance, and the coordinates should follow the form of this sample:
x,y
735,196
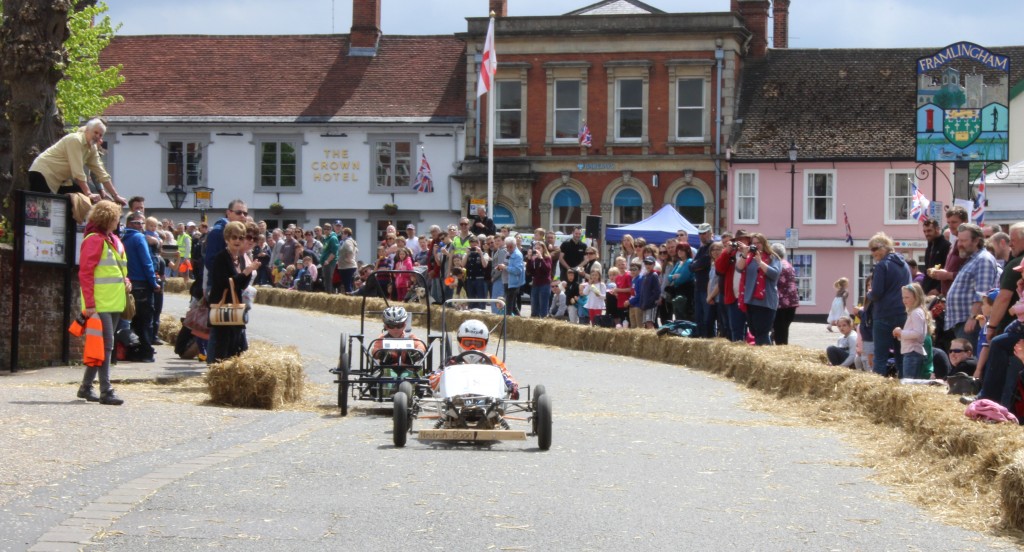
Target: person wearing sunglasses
x,y
396,320
215,243
473,335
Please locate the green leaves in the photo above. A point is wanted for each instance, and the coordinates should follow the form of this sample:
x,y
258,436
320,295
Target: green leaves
x,y
82,93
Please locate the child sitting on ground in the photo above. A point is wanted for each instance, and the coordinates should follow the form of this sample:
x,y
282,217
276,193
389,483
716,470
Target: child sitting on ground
x,y
844,352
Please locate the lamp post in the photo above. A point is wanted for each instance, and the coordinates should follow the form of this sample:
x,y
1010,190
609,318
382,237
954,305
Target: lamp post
x,y
792,183
204,199
176,196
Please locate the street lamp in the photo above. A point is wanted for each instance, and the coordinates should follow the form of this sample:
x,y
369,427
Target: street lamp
x,y
176,196
204,199
792,183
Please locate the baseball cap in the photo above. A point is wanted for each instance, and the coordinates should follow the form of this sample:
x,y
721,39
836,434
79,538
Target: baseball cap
x,y
991,294
190,223
337,223
410,226
649,260
704,228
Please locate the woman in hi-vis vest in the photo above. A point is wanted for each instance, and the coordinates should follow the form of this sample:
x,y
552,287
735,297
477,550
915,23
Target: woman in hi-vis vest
x,y
103,277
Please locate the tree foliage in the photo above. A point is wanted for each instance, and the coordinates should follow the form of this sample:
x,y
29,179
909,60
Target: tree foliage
x,y
82,93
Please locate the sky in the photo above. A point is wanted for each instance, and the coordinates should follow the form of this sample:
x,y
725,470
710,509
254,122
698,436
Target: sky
x,y
813,23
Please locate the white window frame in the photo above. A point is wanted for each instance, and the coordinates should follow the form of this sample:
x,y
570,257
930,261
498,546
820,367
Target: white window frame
x,y
811,279
556,109
619,109
413,140
808,175
296,141
859,283
165,141
702,109
755,177
500,85
890,217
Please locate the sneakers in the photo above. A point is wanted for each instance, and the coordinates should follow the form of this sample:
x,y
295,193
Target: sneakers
x,y
110,398
201,357
88,394
966,399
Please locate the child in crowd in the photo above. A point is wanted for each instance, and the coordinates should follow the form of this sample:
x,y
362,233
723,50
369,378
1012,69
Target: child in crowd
x,y
913,333
865,345
572,295
288,279
844,352
838,309
402,281
594,290
611,298
623,291
559,310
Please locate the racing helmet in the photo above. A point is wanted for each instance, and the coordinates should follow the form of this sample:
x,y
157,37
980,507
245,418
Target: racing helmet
x,y
473,335
395,317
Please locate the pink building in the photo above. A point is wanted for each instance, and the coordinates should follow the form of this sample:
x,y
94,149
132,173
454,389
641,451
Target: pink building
x,y
850,114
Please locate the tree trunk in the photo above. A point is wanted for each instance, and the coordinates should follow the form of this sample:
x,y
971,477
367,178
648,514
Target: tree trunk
x,y
33,36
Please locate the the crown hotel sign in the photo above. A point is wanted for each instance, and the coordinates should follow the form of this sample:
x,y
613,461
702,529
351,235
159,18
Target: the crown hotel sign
x,y
963,109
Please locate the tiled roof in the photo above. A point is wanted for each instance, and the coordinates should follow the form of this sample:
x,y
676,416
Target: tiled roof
x,y
305,78
836,104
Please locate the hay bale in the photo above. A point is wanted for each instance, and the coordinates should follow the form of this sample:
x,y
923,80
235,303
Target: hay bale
x,y
170,326
265,376
175,285
1011,492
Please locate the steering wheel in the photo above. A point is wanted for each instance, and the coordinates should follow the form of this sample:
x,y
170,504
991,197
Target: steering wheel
x,y
464,356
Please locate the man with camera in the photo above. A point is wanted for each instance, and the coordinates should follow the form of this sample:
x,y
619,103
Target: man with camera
x,y
725,266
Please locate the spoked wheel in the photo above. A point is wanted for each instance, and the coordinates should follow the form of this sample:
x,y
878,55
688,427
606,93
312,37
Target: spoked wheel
x,y
542,421
343,371
407,388
402,421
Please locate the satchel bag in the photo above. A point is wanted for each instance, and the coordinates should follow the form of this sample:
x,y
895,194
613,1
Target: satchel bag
x,y
197,319
229,314
129,300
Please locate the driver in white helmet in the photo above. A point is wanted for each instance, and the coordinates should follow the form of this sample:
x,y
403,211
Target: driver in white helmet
x,y
473,335
395,320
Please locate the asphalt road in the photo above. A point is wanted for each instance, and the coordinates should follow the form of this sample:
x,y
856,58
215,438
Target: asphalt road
x,y
645,456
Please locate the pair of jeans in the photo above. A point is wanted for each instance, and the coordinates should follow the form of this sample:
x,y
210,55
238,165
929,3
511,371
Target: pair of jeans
x,y
511,300
497,292
836,355
348,276
737,322
476,288
328,272
999,379
142,322
881,333
701,310
780,329
540,300
913,364
760,320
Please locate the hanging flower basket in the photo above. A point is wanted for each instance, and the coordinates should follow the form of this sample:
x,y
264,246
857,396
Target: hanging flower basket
x,y
276,208
390,208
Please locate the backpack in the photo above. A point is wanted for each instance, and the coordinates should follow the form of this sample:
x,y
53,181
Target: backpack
x,y
678,328
304,281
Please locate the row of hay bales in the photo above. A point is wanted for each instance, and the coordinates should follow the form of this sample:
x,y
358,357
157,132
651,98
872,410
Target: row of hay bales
x,y
983,454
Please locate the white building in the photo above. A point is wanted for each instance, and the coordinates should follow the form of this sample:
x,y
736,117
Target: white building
x,y
331,127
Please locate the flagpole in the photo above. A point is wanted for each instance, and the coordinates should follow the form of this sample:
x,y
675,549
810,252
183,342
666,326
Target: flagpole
x,y
490,144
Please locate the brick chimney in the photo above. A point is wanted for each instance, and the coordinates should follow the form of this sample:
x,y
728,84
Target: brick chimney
x,y
755,17
734,6
780,13
365,32
499,7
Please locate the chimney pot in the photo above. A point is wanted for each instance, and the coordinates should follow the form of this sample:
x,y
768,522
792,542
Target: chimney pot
x,y
499,8
755,18
365,32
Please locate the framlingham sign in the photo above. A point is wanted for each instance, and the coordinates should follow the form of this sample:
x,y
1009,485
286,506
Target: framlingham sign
x,y
963,105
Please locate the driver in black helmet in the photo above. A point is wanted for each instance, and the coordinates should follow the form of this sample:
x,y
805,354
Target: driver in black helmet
x,y
473,335
395,320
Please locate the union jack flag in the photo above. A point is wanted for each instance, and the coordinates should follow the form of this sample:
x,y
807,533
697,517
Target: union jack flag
x,y
424,180
585,137
978,213
919,204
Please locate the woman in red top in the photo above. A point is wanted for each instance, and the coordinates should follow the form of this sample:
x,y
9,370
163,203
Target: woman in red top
x,y
538,266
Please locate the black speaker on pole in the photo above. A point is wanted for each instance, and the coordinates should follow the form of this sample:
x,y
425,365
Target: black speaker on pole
x,y
593,227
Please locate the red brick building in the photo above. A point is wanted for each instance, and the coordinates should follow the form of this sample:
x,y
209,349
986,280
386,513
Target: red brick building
x,y
656,90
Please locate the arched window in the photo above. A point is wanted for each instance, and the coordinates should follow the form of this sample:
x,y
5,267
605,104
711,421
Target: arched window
x,y
565,211
690,204
628,207
503,216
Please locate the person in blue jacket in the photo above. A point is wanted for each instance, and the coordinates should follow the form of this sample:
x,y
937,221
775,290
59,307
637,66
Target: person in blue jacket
x,y
516,269
648,292
144,283
891,274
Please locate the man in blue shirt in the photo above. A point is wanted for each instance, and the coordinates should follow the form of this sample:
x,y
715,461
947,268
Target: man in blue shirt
x,y
144,283
516,270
